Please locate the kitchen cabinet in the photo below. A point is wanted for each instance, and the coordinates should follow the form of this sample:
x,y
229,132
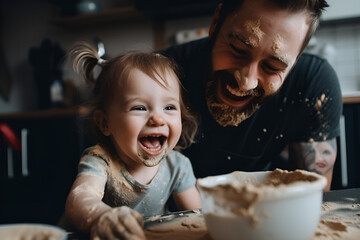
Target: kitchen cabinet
x,y
108,16
112,17
352,130
34,189
156,12
347,166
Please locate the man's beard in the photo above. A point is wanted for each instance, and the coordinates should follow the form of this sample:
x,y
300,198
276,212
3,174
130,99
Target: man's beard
x,y
227,115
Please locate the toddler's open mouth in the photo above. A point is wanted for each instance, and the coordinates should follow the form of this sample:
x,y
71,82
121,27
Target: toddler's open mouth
x,y
152,144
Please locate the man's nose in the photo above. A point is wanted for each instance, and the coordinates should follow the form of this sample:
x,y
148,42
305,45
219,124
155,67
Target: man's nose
x,y
156,119
246,78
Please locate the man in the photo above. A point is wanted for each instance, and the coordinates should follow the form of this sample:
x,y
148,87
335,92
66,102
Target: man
x,y
255,93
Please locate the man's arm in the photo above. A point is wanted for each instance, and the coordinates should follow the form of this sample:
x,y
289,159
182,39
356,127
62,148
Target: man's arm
x,y
317,157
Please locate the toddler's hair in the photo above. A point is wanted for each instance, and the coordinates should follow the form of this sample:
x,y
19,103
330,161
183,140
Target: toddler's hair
x,y
155,65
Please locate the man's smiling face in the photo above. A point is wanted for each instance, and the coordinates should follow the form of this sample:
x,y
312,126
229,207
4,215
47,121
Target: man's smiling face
x,y
253,53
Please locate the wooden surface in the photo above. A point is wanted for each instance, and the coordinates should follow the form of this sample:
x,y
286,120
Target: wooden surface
x,y
355,99
41,113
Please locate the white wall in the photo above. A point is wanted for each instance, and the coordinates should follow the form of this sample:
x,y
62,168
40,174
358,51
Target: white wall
x,y
346,40
342,9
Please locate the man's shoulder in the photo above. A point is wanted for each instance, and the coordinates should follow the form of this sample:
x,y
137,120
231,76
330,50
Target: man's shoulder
x,y
309,56
312,69
309,60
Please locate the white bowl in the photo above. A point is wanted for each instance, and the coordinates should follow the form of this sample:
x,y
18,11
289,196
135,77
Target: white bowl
x,y
278,205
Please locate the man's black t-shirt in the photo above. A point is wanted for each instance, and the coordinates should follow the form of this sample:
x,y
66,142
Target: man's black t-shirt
x,y
307,108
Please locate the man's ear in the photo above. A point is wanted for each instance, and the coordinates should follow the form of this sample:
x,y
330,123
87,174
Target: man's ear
x,y
215,20
101,122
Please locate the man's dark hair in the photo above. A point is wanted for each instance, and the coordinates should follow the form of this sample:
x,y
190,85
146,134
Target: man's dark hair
x,y
313,7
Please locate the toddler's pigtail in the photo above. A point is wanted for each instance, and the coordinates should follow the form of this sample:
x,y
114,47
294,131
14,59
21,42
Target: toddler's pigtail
x,y
85,58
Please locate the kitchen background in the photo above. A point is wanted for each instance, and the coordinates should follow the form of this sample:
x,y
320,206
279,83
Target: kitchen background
x,y
25,24
35,36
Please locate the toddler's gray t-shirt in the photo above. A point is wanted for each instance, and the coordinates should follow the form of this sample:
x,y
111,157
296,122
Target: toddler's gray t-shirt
x,y
174,175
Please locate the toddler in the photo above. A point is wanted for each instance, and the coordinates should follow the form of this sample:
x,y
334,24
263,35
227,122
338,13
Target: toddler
x,y
140,117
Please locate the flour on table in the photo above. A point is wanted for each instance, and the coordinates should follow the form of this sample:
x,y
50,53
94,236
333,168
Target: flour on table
x,y
339,222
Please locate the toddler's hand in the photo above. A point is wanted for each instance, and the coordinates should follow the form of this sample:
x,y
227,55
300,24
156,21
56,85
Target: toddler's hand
x,y
119,223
